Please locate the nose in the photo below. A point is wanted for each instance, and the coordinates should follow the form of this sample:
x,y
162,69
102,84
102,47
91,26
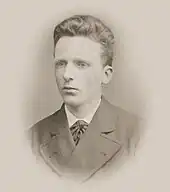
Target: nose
x,y
69,72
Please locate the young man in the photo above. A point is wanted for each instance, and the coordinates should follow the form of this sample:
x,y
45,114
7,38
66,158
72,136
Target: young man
x,y
87,133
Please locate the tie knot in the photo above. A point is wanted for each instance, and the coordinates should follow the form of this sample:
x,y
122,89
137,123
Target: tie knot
x,y
81,123
77,130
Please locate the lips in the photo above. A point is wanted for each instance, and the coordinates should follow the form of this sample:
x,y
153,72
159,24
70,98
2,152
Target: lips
x,y
69,88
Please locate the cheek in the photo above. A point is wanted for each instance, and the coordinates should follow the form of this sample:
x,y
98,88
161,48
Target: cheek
x,y
91,79
58,75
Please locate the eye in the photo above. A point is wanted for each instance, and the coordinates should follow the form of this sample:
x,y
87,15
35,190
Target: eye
x,y
81,64
60,63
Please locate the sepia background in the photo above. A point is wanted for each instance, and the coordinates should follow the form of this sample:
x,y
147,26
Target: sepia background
x,y
140,85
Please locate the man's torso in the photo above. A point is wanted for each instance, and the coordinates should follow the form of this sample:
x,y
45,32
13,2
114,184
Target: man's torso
x,y
110,134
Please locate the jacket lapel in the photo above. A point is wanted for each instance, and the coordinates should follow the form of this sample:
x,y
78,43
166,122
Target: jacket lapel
x,y
99,143
57,150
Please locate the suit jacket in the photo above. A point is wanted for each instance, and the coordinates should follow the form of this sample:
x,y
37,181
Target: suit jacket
x,y
110,134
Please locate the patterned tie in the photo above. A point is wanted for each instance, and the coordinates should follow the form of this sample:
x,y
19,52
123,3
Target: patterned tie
x,y
77,130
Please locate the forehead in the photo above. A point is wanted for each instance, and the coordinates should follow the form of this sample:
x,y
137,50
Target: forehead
x,y
69,47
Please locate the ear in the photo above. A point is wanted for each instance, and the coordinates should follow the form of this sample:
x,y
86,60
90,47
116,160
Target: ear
x,y
107,74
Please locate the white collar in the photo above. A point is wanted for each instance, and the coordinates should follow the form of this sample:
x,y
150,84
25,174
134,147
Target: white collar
x,y
72,119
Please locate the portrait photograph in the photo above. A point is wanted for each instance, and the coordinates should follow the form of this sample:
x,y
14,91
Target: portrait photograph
x,y
84,96
87,133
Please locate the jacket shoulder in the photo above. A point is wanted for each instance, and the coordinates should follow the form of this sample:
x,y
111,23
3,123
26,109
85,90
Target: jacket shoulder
x,y
38,131
120,112
45,121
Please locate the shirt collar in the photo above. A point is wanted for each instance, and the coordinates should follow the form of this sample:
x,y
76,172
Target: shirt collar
x,y
72,119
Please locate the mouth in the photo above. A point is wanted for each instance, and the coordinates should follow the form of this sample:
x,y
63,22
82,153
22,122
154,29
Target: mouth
x,y
69,88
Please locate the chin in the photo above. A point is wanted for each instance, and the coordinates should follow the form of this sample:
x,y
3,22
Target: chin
x,y
72,101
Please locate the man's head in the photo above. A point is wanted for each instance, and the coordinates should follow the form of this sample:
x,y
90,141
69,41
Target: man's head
x,y
83,54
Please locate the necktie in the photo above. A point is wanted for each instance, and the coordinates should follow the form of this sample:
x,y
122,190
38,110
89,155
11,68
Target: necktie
x,y
77,130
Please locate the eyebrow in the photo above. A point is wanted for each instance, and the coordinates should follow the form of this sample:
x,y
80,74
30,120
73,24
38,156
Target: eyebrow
x,y
57,60
81,60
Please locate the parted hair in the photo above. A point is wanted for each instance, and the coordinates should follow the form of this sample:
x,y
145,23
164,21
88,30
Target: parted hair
x,y
90,27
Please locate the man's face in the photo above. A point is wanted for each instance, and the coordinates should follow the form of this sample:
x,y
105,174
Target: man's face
x,y
79,70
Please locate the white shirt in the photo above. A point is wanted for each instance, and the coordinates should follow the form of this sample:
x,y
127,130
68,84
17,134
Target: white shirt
x,y
72,119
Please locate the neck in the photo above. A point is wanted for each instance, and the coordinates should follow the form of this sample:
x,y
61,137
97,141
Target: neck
x,y
83,110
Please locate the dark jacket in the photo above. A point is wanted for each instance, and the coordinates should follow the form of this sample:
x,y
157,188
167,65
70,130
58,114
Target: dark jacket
x,y
111,134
